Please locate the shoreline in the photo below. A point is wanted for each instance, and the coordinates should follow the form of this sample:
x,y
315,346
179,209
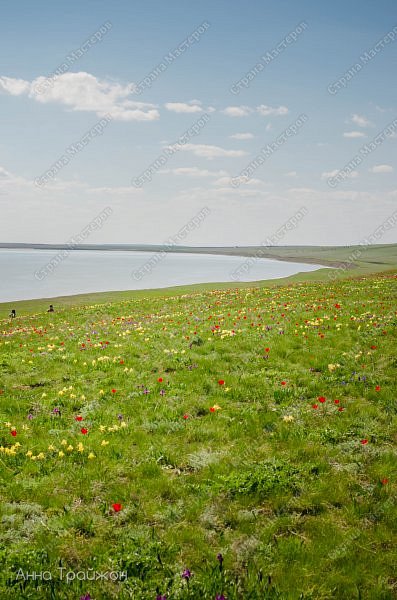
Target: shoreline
x,y
298,254
371,260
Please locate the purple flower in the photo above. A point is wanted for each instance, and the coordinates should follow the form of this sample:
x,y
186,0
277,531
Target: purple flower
x,y
85,597
219,557
220,597
30,416
56,411
186,574
162,392
146,391
120,417
160,597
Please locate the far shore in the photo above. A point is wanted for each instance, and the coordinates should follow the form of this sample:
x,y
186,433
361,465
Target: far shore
x,y
328,256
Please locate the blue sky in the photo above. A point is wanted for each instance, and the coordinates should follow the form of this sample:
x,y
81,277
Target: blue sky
x,y
37,127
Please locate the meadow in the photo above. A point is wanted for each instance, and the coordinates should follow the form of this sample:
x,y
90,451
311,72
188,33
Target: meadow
x,y
228,443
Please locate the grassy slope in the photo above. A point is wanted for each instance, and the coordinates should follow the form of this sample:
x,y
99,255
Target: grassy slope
x,y
288,493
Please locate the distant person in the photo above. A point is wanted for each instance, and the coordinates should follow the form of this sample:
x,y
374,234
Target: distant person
x,y
13,313
51,309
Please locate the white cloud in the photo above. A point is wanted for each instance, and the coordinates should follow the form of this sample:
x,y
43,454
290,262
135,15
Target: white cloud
x,y
115,191
208,151
354,134
267,111
184,107
237,111
15,87
382,169
361,121
328,174
291,174
242,136
194,172
84,92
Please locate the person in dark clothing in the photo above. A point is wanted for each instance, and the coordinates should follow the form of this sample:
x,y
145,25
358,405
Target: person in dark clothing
x,y
13,313
51,309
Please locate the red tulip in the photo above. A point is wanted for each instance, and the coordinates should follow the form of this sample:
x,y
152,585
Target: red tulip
x,y
84,431
117,507
221,382
78,418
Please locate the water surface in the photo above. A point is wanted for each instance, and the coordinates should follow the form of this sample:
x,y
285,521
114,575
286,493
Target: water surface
x,y
28,274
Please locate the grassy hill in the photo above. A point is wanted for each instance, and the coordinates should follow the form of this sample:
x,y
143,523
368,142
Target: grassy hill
x,y
237,442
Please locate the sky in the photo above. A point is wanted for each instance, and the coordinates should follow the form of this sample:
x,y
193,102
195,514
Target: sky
x,y
137,117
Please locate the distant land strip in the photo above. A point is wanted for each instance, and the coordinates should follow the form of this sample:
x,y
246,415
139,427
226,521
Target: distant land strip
x,y
329,256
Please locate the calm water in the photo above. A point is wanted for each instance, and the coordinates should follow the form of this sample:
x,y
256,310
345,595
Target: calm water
x,y
24,275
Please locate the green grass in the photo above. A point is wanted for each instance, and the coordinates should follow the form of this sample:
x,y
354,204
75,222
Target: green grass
x,y
297,495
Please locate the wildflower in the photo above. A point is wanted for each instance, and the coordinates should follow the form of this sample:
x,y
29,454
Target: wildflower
x,y
384,481
160,379
63,443
117,507
30,416
84,431
314,406
220,597
221,382
114,391
69,448
91,455
185,416
85,597
61,454
78,418
186,574
321,399
364,442
120,417
377,388
288,418
267,349
104,443
336,401
13,433
283,383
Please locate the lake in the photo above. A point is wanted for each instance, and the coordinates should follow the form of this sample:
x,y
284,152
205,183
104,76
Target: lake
x,y
28,274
